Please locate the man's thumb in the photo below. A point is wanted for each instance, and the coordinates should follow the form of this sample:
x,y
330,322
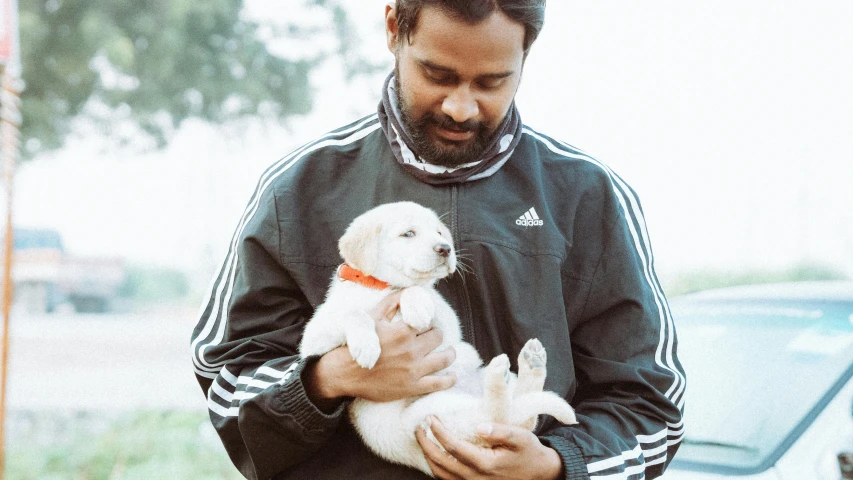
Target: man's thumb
x,y
485,429
497,434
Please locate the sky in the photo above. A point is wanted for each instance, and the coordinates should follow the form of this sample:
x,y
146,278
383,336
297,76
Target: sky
x,y
732,120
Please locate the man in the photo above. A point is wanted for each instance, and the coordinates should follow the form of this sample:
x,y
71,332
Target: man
x,y
557,248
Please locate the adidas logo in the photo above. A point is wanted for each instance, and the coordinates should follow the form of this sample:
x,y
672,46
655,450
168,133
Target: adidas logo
x,y
529,219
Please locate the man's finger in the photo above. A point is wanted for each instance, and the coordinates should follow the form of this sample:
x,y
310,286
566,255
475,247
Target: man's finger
x,y
435,383
386,308
465,452
439,472
437,361
429,340
440,462
499,434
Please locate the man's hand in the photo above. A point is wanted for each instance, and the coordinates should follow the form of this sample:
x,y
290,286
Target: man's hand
x,y
514,453
406,367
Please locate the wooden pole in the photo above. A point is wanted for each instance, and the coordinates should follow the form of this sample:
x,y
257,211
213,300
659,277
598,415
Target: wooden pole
x,y
10,119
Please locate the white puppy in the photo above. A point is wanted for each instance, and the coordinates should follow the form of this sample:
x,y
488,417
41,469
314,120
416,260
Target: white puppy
x,y
405,246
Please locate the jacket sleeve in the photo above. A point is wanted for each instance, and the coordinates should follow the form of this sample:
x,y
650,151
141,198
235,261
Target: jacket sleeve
x,y
245,353
629,398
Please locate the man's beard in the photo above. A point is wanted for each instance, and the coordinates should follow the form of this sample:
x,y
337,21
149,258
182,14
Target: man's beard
x,y
431,149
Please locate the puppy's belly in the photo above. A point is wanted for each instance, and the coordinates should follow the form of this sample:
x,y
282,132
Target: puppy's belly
x,y
389,428
459,412
467,369
469,382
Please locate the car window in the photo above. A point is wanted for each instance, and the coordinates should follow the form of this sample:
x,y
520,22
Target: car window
x,y
756,370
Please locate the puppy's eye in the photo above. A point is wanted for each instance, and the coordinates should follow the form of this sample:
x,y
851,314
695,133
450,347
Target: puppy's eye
x,y
408,234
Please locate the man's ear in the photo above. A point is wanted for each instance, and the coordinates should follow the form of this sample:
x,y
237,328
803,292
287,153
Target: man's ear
x,y
359,245
392,29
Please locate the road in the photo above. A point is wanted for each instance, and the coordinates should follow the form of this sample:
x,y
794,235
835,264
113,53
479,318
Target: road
x,y
102,362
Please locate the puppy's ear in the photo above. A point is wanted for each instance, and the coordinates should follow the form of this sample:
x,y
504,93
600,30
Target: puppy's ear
x,y
359,246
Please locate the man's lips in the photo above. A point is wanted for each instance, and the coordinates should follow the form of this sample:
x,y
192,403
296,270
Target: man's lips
x,y
455,135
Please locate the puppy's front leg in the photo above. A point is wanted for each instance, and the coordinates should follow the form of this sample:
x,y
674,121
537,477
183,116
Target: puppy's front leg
x,y
362,341
417,308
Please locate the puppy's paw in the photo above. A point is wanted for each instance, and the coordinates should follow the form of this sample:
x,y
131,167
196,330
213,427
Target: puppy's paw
x,y
497,373
533,355
417,308
364,347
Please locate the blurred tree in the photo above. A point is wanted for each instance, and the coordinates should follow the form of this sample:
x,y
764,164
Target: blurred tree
x,y
153,64
706,279
154,284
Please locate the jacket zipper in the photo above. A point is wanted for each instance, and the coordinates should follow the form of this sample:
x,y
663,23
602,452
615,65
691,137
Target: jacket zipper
x,y
466,316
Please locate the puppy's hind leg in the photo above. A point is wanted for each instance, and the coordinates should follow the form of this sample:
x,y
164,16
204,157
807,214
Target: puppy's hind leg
x,y
531,368
496,394
531,374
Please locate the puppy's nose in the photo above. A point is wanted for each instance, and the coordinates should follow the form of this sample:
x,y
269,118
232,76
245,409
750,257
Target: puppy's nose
x,y
442,249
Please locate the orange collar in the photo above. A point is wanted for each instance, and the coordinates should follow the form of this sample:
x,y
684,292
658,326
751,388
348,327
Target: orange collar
x,y
345,272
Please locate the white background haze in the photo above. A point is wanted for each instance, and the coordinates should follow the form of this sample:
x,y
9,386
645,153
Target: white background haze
x,y
732,120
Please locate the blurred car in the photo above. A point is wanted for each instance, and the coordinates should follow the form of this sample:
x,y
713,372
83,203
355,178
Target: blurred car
x,y
48,279
769,382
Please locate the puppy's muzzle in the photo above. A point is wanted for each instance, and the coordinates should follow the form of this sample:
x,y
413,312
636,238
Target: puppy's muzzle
x,y
442,249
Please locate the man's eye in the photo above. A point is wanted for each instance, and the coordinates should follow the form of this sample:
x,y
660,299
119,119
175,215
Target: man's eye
x,y
408,234
490,84
439,78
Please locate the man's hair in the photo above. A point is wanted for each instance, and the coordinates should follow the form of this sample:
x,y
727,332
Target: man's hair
x,y
529,13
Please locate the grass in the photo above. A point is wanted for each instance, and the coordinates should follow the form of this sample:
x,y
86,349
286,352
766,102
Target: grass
x,y
135,446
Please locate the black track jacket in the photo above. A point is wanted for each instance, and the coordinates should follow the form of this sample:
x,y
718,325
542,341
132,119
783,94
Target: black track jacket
x,y
559,251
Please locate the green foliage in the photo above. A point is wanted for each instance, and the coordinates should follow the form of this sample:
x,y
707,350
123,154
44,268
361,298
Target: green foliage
x,y
152,63
147,445
702,280
154,284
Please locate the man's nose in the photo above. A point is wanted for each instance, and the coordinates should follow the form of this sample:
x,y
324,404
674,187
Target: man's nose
x,y
442,249
460,104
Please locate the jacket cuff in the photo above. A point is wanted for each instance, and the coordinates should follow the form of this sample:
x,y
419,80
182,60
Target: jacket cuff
x,y
574,467
293,398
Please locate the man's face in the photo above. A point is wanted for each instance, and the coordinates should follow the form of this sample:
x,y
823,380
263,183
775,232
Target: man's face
x,y
455,82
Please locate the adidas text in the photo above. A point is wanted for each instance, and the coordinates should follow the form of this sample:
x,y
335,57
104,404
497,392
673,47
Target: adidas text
x,y
528,223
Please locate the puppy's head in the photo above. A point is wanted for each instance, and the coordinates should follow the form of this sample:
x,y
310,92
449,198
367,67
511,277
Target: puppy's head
x,y
403,244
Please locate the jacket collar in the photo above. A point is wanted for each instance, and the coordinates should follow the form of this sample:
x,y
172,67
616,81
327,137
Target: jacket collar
x,y
502,146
